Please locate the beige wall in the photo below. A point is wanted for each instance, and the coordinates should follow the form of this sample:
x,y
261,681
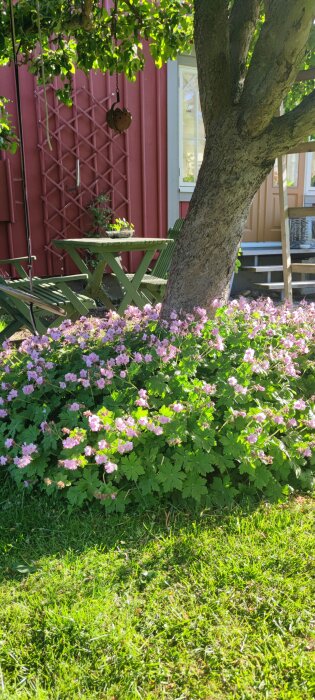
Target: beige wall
x,y
263,223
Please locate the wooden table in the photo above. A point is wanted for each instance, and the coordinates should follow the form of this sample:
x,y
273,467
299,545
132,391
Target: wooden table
x,y
108,251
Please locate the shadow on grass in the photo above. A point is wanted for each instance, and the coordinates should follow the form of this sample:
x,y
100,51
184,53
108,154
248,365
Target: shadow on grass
x,y
34,526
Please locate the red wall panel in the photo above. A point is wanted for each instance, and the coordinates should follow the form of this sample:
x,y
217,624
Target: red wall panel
x,y
136,163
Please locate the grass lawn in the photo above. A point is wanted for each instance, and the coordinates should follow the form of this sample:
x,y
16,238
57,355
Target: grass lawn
x,y
163,605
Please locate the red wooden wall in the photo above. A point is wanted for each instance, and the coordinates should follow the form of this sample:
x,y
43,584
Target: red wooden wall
x,y
131,168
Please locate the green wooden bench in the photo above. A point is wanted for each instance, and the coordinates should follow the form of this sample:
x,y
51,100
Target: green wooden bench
x,y
51,299
154,283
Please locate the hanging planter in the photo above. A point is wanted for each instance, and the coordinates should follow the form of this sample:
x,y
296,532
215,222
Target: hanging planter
x,y
117,119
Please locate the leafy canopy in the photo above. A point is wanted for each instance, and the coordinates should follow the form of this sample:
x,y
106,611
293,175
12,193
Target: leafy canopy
x,y
55,37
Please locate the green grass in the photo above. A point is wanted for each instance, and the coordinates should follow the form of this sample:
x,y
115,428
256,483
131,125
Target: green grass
x,y
155,606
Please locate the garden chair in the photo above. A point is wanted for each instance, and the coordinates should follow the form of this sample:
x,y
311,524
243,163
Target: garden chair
x,y
50,300
153,285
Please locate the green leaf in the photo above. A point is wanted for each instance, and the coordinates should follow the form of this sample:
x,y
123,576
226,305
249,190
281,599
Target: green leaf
x,y
131,467
171,475
194,487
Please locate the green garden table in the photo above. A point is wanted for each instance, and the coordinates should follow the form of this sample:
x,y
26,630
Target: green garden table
x,y
108,251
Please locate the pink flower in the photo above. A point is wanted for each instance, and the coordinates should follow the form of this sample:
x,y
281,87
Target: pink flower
x,y
260,417
3,413
307,452
22,462
120,424
208,388
12,394
70,377
3,460
137,357
94,423
252,438
131,432
310,423
292,422
148,357
70,442
74,407
100,383
8,443
110,467
164,419
90,359
28,449
70,464
101,459
239,389
278,419
232,381
103,444
125,447
28,389
142,402
299,405
177,407
249,355
88,451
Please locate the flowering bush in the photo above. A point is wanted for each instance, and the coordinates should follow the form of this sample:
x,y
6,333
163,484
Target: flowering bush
x,y
124,410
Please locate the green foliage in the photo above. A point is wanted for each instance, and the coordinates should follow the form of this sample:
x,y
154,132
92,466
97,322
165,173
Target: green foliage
x,y
84,34
156,605
120,225
127,411
101,214
87,41
8,140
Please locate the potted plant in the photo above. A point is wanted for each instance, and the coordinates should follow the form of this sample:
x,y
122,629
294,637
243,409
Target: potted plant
x,y
101,215
120,228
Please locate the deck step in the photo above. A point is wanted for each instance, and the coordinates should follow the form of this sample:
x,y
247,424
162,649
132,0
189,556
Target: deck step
x,y
280,285
296,267
300,212
263,268
304,267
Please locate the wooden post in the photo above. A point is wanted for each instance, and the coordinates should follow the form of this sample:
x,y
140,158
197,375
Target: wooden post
x,y
285,225
285,228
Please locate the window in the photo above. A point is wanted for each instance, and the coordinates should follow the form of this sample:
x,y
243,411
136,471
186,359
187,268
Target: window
x,y
191,129
292,171
310,174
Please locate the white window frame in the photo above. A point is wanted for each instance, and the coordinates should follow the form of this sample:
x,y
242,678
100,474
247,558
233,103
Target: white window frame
x,y
308,190
183,186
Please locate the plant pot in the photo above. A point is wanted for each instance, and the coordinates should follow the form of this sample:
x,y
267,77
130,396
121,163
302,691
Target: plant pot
x,y
123,233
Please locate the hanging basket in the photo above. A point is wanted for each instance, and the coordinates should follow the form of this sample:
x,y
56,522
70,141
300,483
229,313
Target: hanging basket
x,y
118,119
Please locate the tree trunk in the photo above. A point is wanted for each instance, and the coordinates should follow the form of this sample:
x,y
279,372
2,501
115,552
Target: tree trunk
x,y
232,171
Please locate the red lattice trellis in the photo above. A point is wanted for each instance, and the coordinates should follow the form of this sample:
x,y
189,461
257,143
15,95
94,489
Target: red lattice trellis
x,y
86,159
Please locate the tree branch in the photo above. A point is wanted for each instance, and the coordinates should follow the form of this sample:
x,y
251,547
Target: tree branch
x,y
243,19
275,63
268,5
294,126
87,15
211,34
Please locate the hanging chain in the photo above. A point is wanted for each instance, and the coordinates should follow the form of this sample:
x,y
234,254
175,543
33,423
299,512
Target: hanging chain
x,y
115,19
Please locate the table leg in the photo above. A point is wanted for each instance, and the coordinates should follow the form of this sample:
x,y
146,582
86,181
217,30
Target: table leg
x,y
94,285
131,287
